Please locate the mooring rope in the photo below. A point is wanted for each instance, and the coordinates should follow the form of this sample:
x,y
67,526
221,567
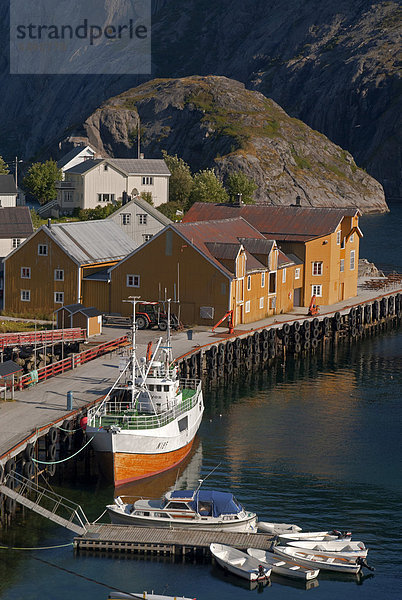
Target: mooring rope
x,y
38,548
100,516
56,462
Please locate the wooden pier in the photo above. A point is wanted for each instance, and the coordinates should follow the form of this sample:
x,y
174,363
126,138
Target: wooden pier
x,y
149,540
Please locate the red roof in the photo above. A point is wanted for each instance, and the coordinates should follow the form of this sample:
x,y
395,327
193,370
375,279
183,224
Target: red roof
x,y
284,223
226,231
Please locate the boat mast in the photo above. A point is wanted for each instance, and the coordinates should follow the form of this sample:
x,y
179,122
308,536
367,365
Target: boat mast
x,y
133,300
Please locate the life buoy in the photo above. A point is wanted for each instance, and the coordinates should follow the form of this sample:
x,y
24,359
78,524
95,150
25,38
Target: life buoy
x,y
290,295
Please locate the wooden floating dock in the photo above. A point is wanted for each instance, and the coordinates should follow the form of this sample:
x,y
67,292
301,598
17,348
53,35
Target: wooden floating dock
x,y
124,538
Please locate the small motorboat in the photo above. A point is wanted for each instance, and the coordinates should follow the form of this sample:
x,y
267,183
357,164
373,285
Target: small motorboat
x,y
239,563
143,596
314,536
317,560
277,528
286,568
345,548
188,509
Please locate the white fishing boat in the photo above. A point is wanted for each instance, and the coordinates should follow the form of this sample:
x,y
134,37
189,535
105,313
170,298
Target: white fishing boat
x,y
286,568
239,563
315,536
277,528
313,560
189,509
345,548
147,422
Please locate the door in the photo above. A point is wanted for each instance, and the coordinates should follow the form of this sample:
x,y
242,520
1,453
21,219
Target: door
x,y
297,297
342,291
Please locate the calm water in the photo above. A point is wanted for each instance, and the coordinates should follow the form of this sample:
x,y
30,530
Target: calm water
x,y
317,445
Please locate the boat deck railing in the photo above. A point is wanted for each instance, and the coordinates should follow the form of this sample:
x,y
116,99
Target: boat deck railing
x,y
120,414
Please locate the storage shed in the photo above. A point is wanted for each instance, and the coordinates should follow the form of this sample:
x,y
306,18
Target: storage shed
x,y
77,315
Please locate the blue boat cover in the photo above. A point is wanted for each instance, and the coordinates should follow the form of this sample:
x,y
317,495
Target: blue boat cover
x,y
223,503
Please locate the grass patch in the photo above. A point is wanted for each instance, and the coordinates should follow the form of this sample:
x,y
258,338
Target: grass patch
x,y
28,315
301,161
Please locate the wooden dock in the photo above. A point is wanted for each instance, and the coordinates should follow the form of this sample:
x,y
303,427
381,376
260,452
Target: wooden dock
x,y
125,538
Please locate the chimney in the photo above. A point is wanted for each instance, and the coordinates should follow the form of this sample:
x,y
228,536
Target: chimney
x,y
49,223
298,201
238,201
124,198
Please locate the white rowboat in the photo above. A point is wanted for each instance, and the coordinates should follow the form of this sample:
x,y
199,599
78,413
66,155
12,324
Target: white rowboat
x,y
277,528
345,548
318,560
286,568
239,563
313,536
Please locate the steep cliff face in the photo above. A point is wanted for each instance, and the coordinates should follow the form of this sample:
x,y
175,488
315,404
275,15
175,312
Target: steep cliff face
x,y
334,65
215,121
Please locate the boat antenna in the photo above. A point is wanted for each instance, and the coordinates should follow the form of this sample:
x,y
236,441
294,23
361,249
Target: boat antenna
x,y
201,481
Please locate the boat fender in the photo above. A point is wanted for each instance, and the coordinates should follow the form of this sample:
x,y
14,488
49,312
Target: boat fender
x,y
362,563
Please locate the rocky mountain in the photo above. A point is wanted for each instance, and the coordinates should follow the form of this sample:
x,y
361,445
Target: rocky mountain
x,y
336,66
216,122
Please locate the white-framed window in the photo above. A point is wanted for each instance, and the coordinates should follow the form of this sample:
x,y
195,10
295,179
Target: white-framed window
x,y
317,268
133,281
352,238
59,297
262,279
67,196
247,306
316,290
106,197
26,295
338,237
42,249
342,265
147,181
262,302
146,237
16,242
352,260
343,242
58,275
25,272
297,273
284,275
126,218
142,219
248,282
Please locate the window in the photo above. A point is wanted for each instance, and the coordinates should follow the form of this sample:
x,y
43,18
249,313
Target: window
x,y
147,181
142,219
105,197
58,275
352,260
105,167
338,237
316,290
272,282
42,249
262,279
126,219
262,302
26,295
283,275
317,268
146,237
59,297
342,266
343,243
68,196
16,242
248,306
25,272
249,282
133,281
297,273
352,238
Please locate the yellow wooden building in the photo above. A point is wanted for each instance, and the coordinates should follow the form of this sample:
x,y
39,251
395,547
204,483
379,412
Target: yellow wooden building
x,y
323,241
48,269
207,268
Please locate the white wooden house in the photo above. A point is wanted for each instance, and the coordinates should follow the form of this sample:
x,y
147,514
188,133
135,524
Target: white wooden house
x,y
139,220
8,191
100,181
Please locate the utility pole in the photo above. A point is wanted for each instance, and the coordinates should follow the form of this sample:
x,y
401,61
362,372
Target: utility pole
x,y
139,137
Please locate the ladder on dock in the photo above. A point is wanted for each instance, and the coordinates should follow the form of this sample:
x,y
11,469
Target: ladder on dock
x,y
45,502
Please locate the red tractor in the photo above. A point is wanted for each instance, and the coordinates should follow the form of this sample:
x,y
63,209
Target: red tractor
x,y
152,314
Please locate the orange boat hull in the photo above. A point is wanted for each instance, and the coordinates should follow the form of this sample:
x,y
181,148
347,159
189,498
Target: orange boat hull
x,y
131,467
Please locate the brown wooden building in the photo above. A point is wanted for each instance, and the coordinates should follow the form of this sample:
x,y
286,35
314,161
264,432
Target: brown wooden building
x,y
47,270
76,315
209,268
